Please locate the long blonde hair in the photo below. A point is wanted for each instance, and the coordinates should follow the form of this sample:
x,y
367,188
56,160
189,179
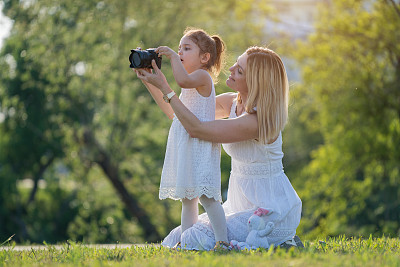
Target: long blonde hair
x,y
268,91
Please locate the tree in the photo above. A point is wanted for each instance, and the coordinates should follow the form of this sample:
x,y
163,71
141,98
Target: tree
x,y
75,113
350,95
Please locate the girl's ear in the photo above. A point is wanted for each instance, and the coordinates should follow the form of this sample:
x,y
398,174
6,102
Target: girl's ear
x,y
204,58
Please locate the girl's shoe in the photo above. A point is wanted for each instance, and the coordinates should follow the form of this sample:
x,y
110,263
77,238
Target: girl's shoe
x,y
222,246
177,246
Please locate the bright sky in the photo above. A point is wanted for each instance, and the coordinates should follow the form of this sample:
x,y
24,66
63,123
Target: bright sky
x,y
5,25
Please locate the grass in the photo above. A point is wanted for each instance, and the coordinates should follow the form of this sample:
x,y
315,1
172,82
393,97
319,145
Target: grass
x,y
339,251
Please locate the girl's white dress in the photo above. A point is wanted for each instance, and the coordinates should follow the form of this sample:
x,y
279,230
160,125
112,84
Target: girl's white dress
x,y
191,166
257,180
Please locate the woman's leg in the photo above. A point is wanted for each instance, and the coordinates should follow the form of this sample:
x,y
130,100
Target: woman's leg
x,y
190,213
217,218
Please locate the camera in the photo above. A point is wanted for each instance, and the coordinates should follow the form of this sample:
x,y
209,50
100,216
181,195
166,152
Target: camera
x,y
142,58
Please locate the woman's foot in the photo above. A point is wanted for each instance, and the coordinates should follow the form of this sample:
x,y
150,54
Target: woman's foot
x,y
222,246
294,242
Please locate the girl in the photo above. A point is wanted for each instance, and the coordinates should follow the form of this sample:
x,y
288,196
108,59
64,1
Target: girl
x,y
191,170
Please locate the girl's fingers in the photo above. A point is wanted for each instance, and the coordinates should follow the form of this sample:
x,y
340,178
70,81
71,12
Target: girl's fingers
x,y
159,49
155,67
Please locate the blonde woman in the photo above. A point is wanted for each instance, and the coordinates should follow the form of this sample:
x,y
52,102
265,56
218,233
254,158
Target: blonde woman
x,y
249,124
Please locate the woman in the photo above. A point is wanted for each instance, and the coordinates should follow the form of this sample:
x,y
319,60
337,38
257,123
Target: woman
x,y
251,135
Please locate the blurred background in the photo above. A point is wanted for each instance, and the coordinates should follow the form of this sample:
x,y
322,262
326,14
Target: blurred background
x,y
82,142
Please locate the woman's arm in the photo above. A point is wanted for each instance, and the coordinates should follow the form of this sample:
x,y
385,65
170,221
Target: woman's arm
x,y
220,131
158,98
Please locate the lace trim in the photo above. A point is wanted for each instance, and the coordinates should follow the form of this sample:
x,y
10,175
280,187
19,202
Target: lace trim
x,y
207,230
248,169
190,193
282,232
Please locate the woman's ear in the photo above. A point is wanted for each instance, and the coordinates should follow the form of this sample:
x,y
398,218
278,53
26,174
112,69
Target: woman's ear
x,y
204,58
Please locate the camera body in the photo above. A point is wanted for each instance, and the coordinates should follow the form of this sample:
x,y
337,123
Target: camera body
x,y
142,58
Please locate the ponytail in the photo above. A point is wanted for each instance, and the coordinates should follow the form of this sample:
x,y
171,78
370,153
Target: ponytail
x,y
220,55
209,44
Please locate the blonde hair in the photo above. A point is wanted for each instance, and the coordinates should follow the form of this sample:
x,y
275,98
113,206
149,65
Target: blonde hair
x,y
209,44
268,91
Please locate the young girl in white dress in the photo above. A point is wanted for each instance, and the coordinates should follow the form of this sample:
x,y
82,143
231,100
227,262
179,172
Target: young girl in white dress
x,y
191,170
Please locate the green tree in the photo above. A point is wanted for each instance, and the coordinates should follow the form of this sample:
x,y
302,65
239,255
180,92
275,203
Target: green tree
x,y
75,115
350,95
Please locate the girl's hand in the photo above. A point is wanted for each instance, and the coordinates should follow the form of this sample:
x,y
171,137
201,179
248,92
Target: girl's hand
x,y
166,51
156,78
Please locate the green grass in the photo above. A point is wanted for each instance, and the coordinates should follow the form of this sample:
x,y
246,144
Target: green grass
x,y
333,252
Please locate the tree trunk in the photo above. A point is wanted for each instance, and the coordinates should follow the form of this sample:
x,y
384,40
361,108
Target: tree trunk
x,y
36,179
111,171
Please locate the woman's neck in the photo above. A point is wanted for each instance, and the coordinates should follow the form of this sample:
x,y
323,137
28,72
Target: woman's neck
x,y
240,106
243,97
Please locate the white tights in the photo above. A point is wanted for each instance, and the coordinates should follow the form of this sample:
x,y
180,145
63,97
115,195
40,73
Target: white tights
x,y
190,213
214,211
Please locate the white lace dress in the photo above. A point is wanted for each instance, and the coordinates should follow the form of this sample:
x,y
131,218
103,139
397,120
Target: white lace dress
x,y
191,166
257,180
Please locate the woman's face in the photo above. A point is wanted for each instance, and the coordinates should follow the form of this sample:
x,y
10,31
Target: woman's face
x,y
237,79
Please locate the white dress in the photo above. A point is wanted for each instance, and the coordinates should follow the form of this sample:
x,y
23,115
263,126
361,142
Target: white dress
x,y
257,180
191,166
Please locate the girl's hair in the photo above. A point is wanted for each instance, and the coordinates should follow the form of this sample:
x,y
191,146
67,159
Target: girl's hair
x,y
209,44
268,91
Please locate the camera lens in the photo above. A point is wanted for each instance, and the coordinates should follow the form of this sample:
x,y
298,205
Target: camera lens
x,y
136,59
142,58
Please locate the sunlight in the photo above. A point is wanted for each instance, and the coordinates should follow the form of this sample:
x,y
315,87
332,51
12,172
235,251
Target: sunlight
x,y
5,25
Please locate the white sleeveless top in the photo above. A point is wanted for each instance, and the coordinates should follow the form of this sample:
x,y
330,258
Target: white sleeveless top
x,y
191,166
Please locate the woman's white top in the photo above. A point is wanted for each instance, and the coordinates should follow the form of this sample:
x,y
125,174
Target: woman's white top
x,y
192,166
257,180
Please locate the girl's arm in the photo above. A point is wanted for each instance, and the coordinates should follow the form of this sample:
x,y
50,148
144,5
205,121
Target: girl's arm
x,y
158,97
199,79
242,128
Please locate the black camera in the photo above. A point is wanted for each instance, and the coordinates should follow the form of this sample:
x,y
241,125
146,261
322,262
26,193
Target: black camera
x,y
142,58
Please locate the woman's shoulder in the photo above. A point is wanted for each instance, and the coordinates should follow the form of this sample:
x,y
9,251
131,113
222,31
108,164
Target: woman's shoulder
x,y
224,103
227,98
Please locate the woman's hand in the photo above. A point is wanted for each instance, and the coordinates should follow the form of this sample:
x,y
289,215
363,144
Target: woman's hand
x,y
154,80
137,71
155,77
166,51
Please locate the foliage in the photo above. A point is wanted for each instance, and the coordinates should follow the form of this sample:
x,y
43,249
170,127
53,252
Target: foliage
x,y
82,143
332,252
349,100
80,133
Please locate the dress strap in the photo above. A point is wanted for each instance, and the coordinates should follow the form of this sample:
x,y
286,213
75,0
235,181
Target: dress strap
x,y
212,86
233,109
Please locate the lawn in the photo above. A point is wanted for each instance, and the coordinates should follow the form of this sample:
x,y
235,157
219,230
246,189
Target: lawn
x,y
339,251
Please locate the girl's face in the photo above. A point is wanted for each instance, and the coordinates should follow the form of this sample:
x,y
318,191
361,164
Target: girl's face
x,y
237,79
189,54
